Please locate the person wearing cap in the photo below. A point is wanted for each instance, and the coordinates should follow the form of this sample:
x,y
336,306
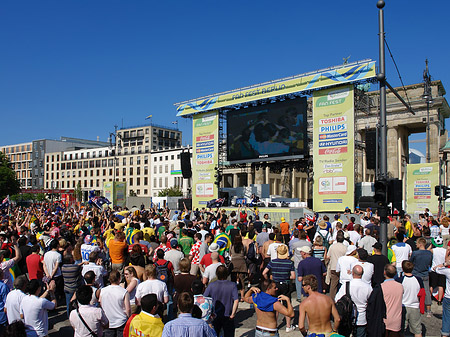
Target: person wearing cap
x,y
267,307
310,265
344,265
284,226
379,261
87,248
174,255
282,272
207,260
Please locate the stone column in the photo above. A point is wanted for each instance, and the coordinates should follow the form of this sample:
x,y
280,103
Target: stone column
x,y
235,180
259,176
249,178
392,152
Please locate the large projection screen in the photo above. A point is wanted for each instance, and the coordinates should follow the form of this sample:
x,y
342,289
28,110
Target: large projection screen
x,y
267,132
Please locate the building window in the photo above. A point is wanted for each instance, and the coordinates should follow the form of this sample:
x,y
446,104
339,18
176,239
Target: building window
x,y
124,161
155,169
131,181
160,168
160,182
154,182
138,160
124,171
138,181
131,171
166,182
131,160
145,160
155,159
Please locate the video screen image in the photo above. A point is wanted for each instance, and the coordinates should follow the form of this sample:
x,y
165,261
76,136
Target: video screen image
x,y
267,131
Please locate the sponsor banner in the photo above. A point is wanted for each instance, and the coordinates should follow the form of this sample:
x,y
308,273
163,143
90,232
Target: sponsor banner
x,y
323,79
175,172
333,149
421,180
205,133
116,192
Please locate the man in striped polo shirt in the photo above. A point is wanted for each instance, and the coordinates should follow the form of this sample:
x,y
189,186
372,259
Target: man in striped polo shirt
x,y
282,272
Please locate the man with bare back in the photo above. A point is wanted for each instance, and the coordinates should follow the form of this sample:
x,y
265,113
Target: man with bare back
x,y
318,308
267,306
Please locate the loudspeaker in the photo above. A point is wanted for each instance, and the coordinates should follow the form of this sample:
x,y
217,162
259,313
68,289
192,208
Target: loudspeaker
x,y
365,202
185,159
371,149
395,193
309,203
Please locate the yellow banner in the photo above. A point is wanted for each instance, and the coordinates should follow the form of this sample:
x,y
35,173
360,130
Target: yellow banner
x,y
333,149
205,140
421,180
346,74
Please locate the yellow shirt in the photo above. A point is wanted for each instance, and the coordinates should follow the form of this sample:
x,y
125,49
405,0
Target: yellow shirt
x,y
148,231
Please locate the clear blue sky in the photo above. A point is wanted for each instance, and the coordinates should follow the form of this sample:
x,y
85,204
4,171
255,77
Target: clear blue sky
x,y
77,67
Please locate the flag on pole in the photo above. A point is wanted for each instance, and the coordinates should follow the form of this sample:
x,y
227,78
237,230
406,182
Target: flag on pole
x,y
5,203
149,116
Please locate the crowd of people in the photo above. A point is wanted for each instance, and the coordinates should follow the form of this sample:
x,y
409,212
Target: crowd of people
x,y
160,272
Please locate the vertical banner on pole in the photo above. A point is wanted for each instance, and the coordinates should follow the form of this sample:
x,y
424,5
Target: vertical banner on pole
x,y
204,157
421,180
120,193
333,149
108,192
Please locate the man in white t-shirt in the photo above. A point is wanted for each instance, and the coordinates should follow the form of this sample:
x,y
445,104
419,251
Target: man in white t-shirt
x,y
52,268
367,242
209,274
95,264
344,265
152,286
115,302
354,235
402,251
367,266
14,298
359,293
272,249
34,309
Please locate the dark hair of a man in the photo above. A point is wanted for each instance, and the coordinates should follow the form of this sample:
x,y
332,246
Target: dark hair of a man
x,y
222,272
390,270
15,329
84,294
362,254
54,244
209,235
302,235
93,256
265,284
310,280
399,236
35,249
199,236
32,287
278,237
67,259
89,277
160,254
272,236
340,237
407,266
197,287
148,302
185,302
20,282
114,277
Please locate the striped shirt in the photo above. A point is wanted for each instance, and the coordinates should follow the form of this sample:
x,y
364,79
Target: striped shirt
x,y
72,277
185,325
281,269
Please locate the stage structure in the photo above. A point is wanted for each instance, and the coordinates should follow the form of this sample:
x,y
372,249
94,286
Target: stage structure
x,y
267,123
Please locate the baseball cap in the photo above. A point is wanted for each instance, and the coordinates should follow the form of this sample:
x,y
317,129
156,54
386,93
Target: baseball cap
x,y
282,219
377,245
305,249
173,243
87,239
213,247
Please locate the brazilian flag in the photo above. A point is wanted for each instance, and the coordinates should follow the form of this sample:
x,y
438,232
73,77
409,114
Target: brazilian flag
x,y
224,242
130,232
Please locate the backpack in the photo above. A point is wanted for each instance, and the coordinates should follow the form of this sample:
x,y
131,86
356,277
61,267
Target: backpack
x,y
162,272
251,254
347,312
325,238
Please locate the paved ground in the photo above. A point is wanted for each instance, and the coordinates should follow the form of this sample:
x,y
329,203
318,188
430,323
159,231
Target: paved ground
x,y
246,322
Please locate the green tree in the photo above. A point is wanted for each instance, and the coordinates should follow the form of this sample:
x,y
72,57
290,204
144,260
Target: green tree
x,y
41,197
77,192
9,184
170,192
